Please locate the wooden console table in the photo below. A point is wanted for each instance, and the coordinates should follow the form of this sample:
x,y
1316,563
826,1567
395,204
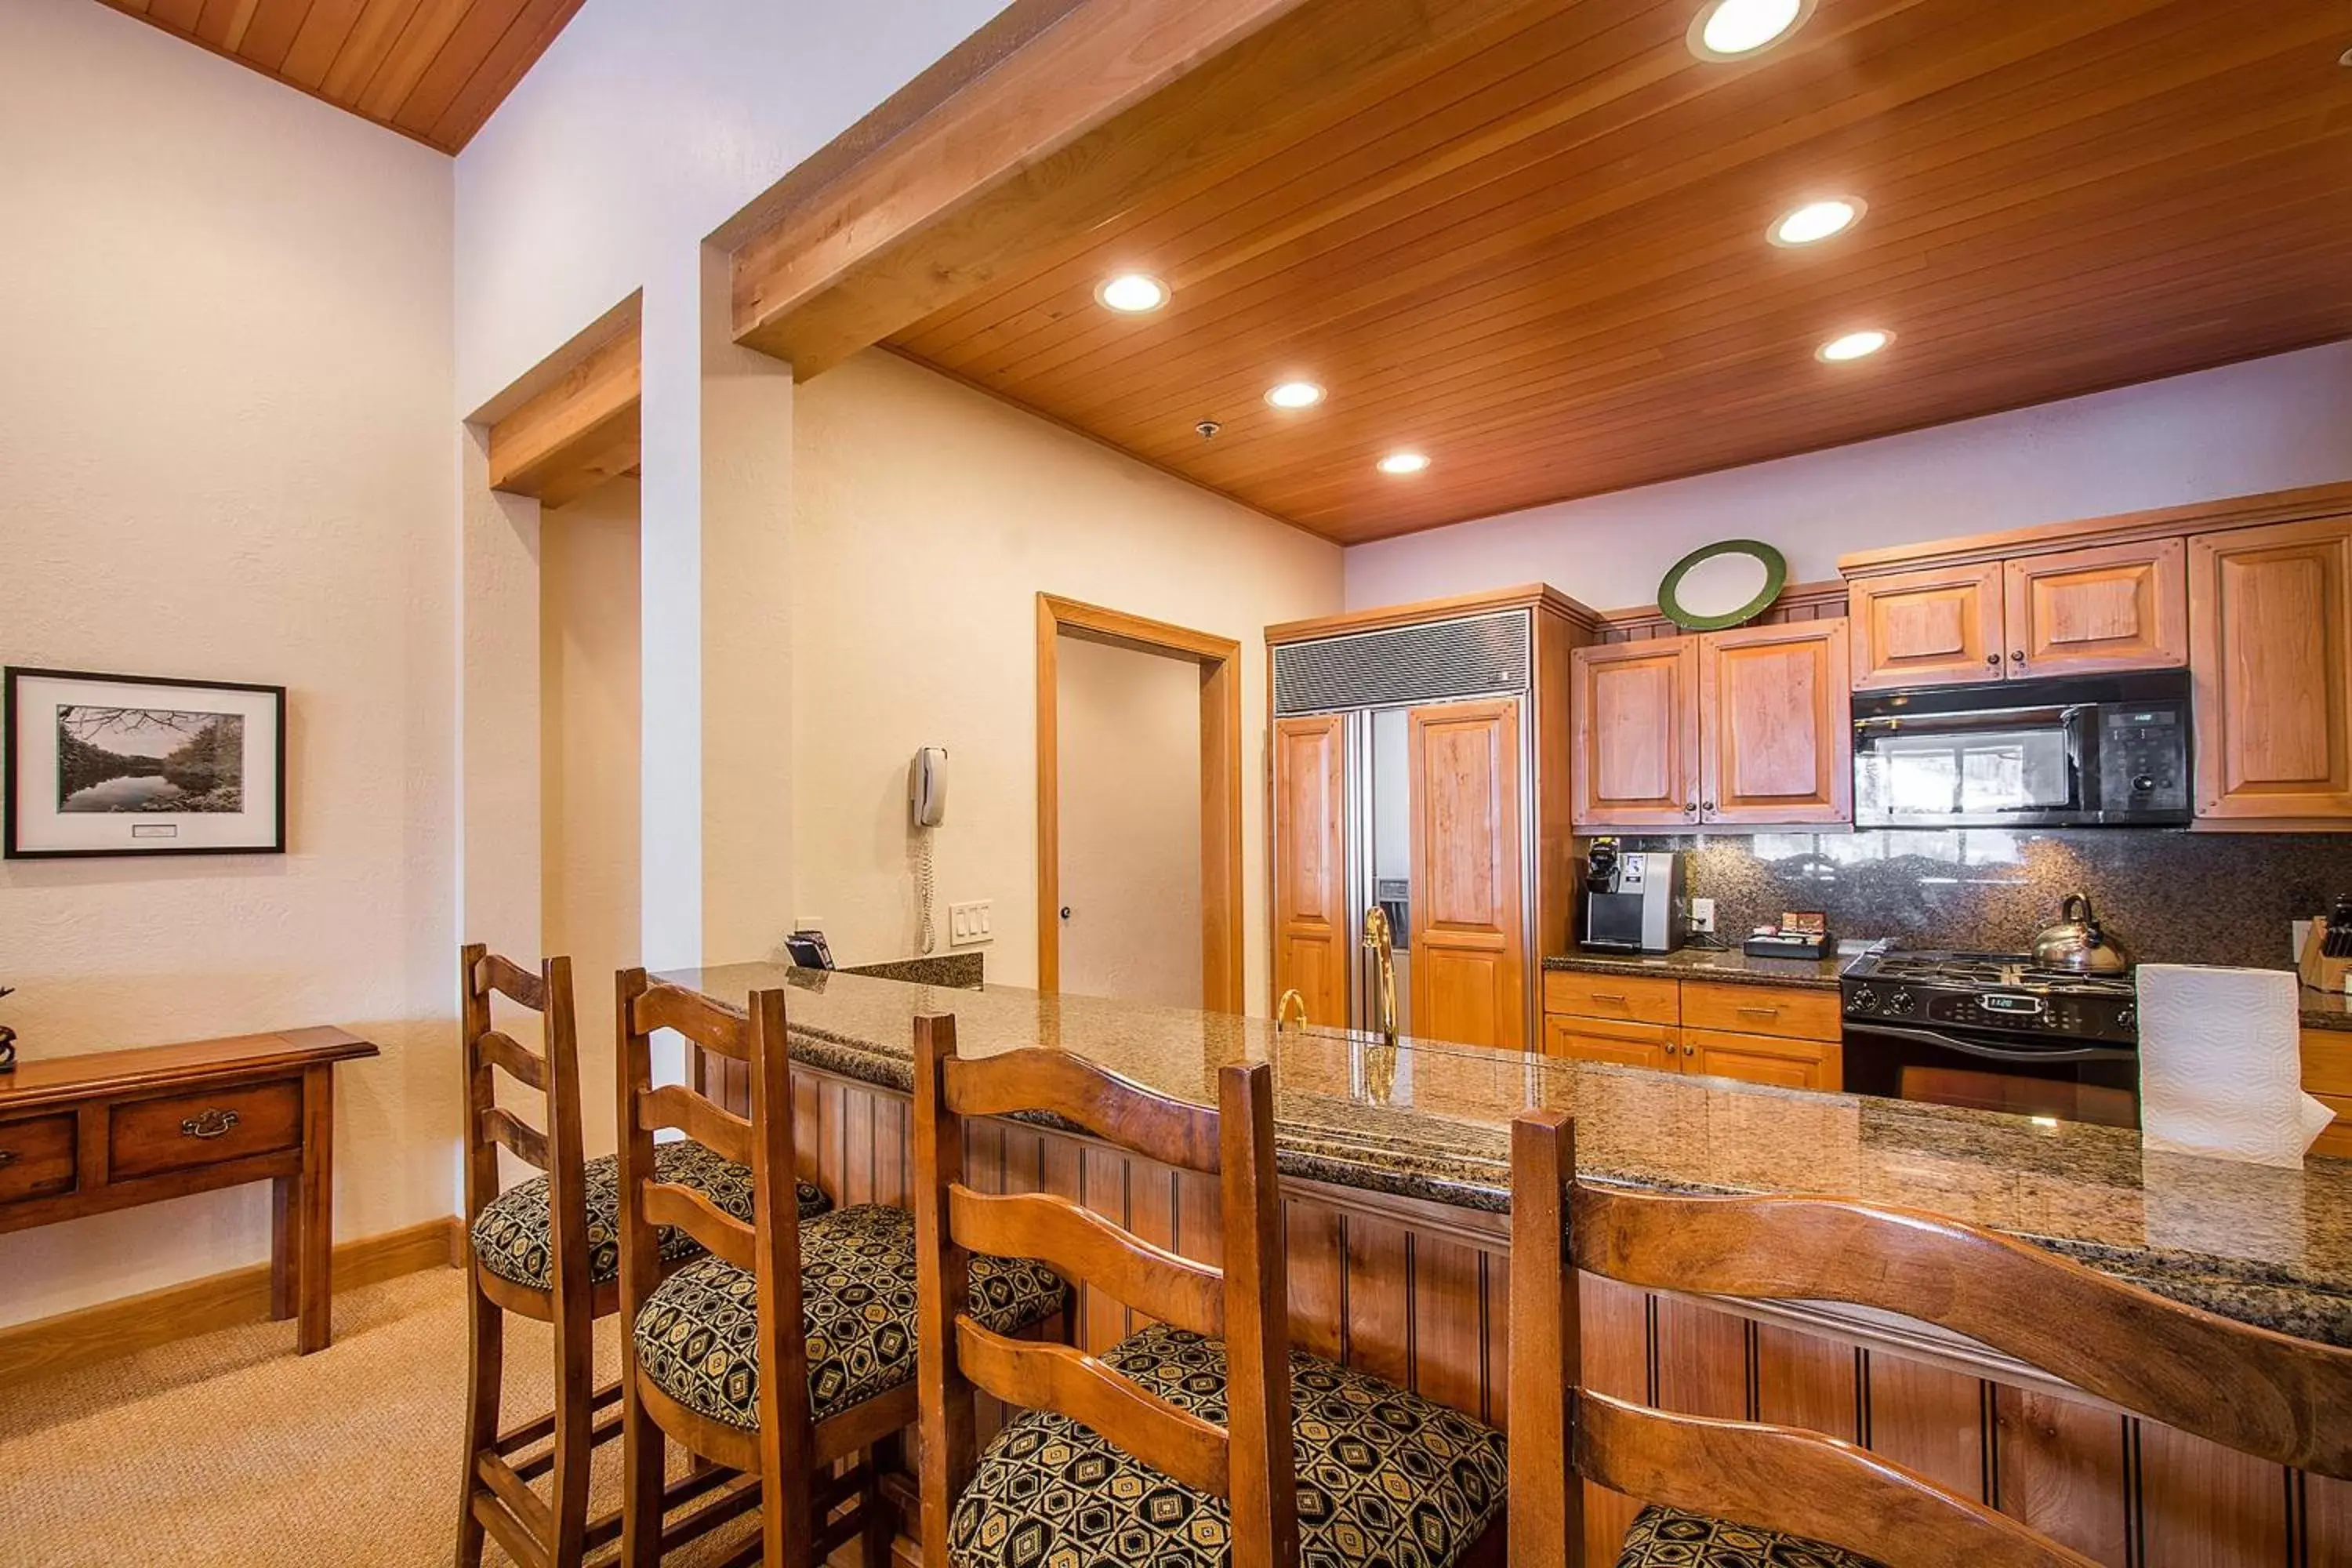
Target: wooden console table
x,y
82,1135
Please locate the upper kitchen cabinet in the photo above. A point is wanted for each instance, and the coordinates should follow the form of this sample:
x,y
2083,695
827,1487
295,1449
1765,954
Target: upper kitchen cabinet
x,y
1936,628
1745,727
2269,619
2113,606
1775,745
1636,712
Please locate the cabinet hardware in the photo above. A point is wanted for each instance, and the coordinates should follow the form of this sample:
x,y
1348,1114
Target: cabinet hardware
x,y
1690,1050
1691,809
1707,805
7,1156
1609,995
2017,654
211,1124
1762,1012
1992,658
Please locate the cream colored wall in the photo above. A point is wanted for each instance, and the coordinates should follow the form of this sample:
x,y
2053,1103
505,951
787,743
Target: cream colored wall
x,y
1128,732
226,451
926,518
589,671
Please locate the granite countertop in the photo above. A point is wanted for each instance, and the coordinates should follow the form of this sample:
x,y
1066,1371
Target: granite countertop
x,y
1702,963
1431,1121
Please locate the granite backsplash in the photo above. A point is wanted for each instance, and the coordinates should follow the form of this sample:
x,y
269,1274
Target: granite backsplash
x,y
2170,897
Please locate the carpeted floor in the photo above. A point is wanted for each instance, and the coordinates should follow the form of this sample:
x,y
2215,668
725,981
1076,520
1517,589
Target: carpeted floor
x,y
230,1451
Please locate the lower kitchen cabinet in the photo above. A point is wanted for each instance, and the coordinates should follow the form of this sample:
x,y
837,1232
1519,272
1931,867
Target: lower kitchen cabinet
x,y
1787,1037
2327,1076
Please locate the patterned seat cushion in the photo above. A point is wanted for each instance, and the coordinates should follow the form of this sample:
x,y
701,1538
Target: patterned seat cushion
x,y
1386,1478
1669,1537
698,1337
511,1237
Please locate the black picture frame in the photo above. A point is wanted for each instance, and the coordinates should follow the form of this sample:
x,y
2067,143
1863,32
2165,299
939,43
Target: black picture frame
x,y
11,743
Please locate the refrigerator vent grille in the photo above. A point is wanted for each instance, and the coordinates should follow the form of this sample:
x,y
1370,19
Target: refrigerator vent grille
x,y
1406,664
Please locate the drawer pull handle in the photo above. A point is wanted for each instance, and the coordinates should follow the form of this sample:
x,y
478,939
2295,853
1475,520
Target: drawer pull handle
x,y
1609,995
1763,1012
211,1124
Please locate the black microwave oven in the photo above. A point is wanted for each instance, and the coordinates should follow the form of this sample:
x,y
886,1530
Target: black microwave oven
x,y
2102,751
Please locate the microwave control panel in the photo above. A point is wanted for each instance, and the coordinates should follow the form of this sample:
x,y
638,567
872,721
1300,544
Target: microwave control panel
x,y
2144,758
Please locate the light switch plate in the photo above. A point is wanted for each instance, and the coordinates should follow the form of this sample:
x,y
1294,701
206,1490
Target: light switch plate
x,y
969,924
1702,914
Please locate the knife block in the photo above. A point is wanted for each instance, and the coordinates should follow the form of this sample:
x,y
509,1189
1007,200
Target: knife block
x,y
2321,972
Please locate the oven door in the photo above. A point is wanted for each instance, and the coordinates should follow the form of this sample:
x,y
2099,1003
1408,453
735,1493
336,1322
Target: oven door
x,y
2020,767
2070,1083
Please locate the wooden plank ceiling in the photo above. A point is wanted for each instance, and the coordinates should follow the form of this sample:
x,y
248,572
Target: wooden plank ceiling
x,y
432,69
1540,259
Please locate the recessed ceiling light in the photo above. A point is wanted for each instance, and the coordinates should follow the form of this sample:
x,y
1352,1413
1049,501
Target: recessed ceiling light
x,y
1403,463
1734,29
1295,394
1852,346
1131,293
1817,221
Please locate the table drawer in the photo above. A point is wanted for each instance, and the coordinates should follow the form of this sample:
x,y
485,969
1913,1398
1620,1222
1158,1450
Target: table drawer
x,y
1792,1011
183,1131
1624,997
37,1157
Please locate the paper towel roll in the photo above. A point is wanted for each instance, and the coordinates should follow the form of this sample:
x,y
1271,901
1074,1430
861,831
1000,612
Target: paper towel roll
x,y
2221,1065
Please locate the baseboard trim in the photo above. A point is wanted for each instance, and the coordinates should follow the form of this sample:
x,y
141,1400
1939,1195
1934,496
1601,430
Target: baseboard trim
x,y
114,1329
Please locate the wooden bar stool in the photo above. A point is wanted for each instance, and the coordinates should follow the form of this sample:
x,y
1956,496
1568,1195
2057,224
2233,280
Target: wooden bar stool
x,y
791,1347
1725,1493
1203,1438
547,1249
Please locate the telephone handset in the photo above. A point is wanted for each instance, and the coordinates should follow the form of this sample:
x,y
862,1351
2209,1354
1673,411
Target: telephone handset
x,y
927,805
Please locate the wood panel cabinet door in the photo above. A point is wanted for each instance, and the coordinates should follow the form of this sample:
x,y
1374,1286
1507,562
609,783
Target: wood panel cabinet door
x,y
1651,1046
1636,711
1777,742
2115,606
1937,627
1313,935
1469,928
2270,636
1763,1059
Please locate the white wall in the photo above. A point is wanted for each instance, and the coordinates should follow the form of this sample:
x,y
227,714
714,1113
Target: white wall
x,y
926,519
646,126
225,451
2266,424
1128,734
589,798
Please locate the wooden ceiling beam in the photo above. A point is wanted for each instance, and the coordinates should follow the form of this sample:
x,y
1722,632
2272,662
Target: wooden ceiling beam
x,y
1111,100
583,429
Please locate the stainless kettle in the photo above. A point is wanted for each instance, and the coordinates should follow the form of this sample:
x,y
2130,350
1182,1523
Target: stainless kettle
x,y
2076,945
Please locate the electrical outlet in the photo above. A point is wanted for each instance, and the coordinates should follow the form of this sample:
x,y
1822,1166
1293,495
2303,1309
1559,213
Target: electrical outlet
x,y
1702,915
971,924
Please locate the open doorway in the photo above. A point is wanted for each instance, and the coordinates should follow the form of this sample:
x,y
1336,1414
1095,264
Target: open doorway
x,y
1138,808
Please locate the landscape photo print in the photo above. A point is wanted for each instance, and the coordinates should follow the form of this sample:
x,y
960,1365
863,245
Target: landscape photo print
x,y
102,764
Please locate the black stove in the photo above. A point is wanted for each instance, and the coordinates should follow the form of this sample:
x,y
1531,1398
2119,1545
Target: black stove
x,y
1992,1031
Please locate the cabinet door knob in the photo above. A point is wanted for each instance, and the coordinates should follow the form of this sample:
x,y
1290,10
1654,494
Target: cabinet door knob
x,y
1690,1050
1707,805
2018,654
1992,658
1691,809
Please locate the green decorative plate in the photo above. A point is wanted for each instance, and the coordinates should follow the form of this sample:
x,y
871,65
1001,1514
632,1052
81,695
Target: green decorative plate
x,y
1725,584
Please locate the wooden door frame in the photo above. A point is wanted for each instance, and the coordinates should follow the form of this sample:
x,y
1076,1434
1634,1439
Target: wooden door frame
x,y
1219,660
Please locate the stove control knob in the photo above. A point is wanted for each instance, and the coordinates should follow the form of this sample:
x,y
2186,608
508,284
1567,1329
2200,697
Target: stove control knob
x,y
1863,1000
1900,1001
2126,1016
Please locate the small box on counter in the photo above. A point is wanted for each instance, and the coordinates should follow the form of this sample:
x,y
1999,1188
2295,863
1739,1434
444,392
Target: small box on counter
x,y
1801,933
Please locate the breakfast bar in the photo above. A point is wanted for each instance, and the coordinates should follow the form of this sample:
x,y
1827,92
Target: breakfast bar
x,y
1395,1165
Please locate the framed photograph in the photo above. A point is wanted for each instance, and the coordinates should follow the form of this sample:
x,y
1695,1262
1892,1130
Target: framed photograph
x,y
127,764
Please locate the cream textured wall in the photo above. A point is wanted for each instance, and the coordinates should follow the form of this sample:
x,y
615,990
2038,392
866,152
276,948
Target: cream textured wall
x,y
226,451
926,518
2269,424
589,669
1129,734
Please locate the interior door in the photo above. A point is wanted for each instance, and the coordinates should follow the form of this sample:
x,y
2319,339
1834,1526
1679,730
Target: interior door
x,y
2270,616
1636,712
1936,628
2115,606
1469,942
1778,745
1312,926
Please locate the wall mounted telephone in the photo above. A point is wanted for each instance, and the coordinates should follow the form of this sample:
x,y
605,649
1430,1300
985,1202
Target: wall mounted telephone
x,y
927,805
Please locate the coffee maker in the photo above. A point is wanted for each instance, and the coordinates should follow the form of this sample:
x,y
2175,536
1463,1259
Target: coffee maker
x,y
1633,899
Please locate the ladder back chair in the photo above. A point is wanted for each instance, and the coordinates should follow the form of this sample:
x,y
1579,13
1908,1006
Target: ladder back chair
x,y
1200,1438
789,1347
1718,1492
545,1249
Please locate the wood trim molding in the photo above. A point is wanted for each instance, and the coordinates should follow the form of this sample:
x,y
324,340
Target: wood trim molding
x,y
581,429
1540,595
153,1318
1801,601
1222,928
2198,517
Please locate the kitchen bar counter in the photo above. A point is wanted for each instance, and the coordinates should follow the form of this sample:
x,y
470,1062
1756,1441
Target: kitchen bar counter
x,y
1734,967
1430,1121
